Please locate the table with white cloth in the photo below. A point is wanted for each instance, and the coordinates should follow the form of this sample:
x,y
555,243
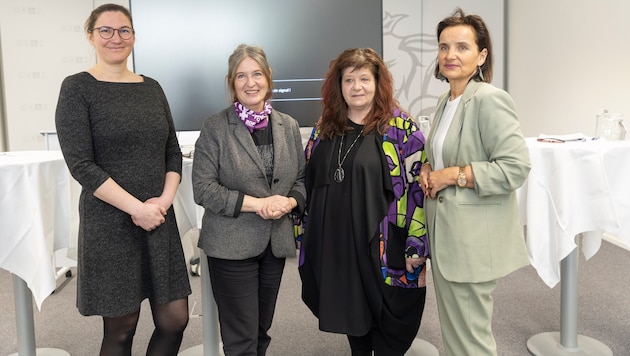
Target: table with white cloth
x,y
574,189
35,219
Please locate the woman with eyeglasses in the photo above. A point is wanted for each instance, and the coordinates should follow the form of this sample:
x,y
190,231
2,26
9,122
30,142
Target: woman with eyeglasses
x,y
118,139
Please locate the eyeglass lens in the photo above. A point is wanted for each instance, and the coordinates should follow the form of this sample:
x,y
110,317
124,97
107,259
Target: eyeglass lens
x,y
107,32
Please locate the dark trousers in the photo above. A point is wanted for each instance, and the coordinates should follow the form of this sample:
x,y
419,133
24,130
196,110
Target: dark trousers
x,y
246,292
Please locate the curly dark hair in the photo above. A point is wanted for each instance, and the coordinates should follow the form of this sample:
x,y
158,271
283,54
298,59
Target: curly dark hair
x,y
335,110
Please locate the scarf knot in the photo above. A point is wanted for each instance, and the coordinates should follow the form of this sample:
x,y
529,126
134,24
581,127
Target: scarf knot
x,y
253,120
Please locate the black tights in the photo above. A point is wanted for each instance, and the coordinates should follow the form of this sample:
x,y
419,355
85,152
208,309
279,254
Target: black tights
x,y
169,319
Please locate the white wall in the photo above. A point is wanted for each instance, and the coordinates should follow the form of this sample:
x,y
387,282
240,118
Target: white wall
x,y
3,140
410,46
42,42
567,60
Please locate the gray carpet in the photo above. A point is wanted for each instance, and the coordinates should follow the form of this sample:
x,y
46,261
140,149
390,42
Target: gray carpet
x,y
524,306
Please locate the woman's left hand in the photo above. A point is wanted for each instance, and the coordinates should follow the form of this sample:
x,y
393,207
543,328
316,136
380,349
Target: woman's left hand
x,y
436,181
163,202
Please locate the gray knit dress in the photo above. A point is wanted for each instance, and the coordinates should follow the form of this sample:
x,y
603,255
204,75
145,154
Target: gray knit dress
x,y
124,131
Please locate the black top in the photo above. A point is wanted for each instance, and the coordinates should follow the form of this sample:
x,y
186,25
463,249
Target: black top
x,y
263,139
343,307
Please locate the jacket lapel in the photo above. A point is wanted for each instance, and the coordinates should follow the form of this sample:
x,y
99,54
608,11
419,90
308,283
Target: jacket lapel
x,y
244,138
455,132
436,122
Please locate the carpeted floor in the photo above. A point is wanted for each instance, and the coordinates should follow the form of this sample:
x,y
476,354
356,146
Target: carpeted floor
x,y
524,306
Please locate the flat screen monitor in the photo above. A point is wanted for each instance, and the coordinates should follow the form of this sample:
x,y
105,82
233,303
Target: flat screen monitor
x,y
185,45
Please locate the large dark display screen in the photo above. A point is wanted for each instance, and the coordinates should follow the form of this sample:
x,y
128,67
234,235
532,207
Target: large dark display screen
x,y
185,45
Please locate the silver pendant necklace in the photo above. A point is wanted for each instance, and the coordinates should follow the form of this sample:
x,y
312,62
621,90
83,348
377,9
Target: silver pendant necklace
x,y
339,172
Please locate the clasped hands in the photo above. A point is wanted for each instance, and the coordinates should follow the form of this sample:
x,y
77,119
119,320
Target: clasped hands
x,y
431,182
152,214
275,207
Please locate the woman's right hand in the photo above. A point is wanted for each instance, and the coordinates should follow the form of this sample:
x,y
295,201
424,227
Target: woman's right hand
x,y
423,179
149,216
414,262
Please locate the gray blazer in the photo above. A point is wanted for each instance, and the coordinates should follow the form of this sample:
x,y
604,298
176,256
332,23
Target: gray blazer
x,y
226,164
477,233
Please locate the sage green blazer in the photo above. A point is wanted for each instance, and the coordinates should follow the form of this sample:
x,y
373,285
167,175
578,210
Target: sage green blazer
x,y
476,234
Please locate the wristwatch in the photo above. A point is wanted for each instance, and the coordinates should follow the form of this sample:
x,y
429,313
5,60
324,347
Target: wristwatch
x,y
461,178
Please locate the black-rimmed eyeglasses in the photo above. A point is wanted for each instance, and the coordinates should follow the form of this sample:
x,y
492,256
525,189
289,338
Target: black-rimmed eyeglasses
x,y
107,32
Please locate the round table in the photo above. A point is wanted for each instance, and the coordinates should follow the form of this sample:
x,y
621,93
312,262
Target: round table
x,y
35,204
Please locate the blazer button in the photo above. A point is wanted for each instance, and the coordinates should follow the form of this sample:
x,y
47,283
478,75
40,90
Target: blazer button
x,y
441,199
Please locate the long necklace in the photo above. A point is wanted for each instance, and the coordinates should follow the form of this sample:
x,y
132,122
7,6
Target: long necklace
x,y
339,172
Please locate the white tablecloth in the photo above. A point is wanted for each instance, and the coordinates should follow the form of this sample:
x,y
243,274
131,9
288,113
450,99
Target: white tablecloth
x,y
35,199
574,188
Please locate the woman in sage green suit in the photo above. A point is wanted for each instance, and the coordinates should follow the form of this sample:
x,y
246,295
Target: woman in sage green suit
x,y
477,158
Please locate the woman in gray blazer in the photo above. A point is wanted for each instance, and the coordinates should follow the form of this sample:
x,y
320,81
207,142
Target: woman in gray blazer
x,y
248,174
477,158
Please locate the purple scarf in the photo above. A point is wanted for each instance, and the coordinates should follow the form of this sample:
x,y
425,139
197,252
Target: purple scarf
x,y
253,120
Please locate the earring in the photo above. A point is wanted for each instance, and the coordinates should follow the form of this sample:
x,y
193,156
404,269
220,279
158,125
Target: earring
x,y
480,73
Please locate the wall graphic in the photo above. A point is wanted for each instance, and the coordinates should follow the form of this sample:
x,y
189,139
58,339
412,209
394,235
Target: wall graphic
x,y
410,47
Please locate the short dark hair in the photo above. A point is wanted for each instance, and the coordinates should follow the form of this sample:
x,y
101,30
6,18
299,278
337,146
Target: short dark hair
x,y
482,39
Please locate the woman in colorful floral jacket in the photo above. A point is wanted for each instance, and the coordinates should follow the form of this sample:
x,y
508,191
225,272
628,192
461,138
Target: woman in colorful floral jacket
x,y
364,246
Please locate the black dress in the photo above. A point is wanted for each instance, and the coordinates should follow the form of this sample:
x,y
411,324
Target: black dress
x,y
123,131
336,295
